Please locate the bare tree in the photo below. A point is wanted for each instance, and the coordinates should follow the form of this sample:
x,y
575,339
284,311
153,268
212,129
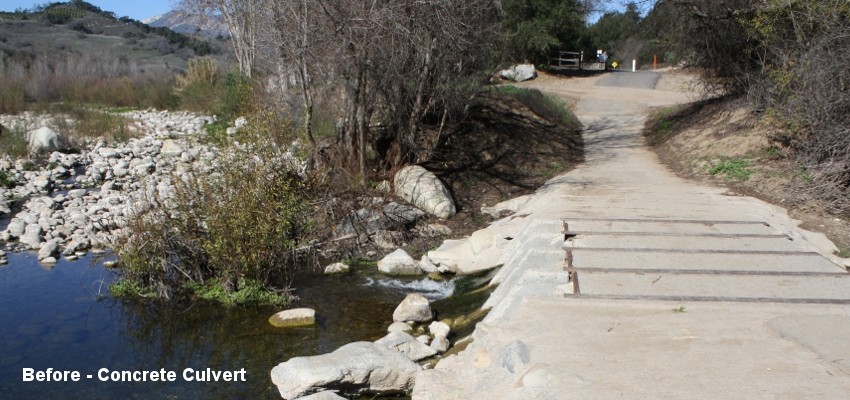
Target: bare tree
x,y
242,17
397,63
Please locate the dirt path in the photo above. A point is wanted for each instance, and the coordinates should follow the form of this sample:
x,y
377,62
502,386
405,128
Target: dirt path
x,y
621,280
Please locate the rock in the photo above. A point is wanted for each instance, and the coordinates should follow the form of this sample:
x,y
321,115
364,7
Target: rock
x,y
424,190
48,249
384,186
399,263
424,339
414,307
293,317
399,327
438,328
16,227
360,367
41,183
337,268
231,131
434,230
387,240
440,344
427,266
76,193
482,239
519,73
393,339
371,220
108,152
170,148
44,138
32,236
240,122
326,395
407,345
48,261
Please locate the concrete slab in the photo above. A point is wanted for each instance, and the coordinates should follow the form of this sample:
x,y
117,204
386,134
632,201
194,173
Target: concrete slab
x,y
783,288
810,262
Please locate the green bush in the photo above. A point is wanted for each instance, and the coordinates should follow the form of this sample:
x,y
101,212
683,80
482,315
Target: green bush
x,y
92,124
229,232
5,180
235,97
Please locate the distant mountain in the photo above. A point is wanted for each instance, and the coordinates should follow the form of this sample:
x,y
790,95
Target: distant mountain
x,y
189,24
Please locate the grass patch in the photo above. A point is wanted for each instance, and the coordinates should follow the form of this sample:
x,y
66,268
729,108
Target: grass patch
x,y
551,108
246,291
733,169
93,124
13,143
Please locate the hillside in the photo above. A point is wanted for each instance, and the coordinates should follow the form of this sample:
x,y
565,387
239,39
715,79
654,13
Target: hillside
x,y
67,33
725,142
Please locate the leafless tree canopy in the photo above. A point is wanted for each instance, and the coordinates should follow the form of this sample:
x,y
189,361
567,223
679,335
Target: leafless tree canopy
x,y
402,66
244,20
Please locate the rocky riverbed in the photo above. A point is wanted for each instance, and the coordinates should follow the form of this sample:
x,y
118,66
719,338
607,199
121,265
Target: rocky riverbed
x,y
80,200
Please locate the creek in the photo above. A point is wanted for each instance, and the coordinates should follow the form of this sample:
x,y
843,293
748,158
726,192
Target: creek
x,y
63,318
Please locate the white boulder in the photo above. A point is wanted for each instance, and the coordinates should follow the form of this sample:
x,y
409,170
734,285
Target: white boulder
x,y
424,190
44,138
438,328
293,317
337,268
399,327
170,148
440,344
519,73
399,263
406,344
359,367
415,307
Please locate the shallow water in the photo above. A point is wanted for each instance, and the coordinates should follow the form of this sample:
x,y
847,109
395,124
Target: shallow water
x,y
63,318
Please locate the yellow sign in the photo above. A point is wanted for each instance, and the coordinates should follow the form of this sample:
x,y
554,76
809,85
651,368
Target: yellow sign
x,y
614,65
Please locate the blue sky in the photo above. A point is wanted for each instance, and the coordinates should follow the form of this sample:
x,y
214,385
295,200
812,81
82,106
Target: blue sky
x,y
136,9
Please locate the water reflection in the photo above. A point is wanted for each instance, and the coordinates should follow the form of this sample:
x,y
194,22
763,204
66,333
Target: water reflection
x,y
60,318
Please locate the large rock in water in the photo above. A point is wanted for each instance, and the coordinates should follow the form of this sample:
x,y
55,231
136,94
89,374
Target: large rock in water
x,y
415,307
424,190
399,263
293,317
359,367
519,73
44,138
